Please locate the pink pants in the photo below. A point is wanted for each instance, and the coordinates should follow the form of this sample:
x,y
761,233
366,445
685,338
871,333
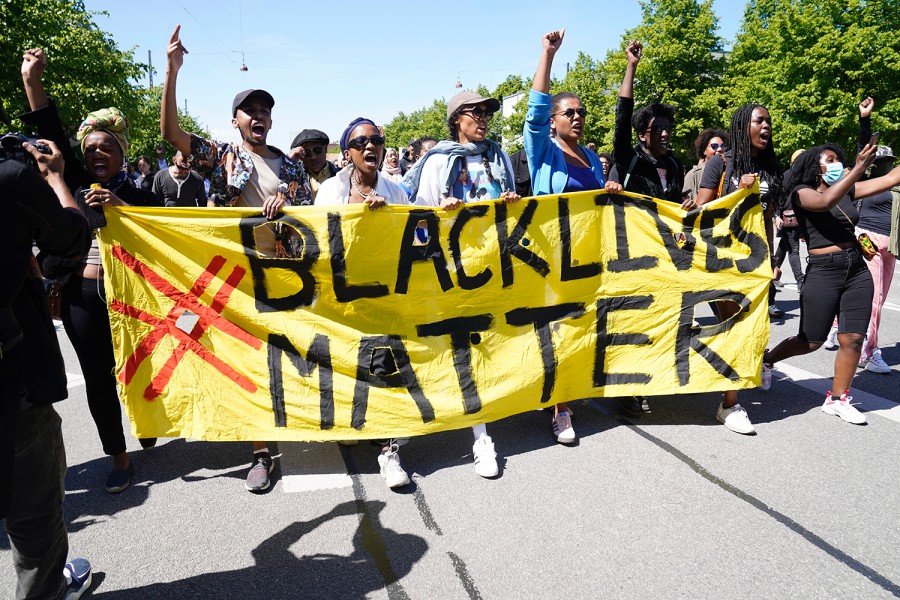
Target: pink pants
x,y
882,269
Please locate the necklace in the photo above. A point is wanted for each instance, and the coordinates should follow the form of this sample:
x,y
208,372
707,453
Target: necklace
x,y
355,185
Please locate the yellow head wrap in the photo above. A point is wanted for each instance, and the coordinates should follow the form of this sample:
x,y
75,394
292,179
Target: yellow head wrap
x,y
111,120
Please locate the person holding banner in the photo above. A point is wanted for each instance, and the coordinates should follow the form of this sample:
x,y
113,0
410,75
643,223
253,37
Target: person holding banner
x,y
648,168
467,167
557,162
361,182
838,281
101,181
362,144
250,173
751,156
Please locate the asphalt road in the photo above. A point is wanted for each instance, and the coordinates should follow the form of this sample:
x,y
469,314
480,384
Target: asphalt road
x,y
669,505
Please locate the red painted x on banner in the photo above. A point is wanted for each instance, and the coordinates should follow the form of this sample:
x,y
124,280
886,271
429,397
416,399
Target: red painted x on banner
x,y
208,316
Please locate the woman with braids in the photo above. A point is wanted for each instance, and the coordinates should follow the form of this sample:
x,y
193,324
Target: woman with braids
x,y
435,181
558,164
838,281
104,141
709,143
751,156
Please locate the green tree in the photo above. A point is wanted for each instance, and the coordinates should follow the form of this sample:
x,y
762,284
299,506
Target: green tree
x,y
683,65
86,70
144,125
429,121
811,63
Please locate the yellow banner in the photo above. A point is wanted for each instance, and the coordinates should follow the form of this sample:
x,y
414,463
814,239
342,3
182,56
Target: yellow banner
x,y
372,333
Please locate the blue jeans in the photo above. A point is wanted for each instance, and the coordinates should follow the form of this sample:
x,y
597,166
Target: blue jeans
x,y
34,523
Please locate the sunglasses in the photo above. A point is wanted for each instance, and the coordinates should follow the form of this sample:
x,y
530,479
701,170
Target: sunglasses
x,y
359,143
660,129
478,112
717,146
571,112
315,150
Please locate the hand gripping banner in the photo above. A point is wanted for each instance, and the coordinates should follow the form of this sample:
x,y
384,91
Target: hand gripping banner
x,y
371,333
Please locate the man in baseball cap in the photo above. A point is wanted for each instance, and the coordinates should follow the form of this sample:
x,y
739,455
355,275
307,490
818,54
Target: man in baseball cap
x,y
244,96
247,173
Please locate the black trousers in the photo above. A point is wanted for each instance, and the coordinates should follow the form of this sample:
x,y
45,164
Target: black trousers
x,y
86,321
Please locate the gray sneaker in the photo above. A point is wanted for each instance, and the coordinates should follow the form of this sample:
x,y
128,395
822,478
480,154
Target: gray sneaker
x,y
258,476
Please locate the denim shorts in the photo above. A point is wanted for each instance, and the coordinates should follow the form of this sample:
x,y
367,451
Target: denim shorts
x,y
837,283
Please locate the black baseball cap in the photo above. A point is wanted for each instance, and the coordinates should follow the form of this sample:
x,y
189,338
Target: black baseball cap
x,y
309,135
243,96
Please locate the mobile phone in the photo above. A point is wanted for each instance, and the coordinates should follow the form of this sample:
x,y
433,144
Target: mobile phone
x,y
873,141
94,214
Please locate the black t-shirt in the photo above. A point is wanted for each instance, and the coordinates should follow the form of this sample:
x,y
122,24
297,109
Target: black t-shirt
x,y
875,213
830,227
770,189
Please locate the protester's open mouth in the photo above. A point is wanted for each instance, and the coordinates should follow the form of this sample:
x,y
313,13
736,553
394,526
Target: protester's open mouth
x,y
257,130
100,168
764,136
370,159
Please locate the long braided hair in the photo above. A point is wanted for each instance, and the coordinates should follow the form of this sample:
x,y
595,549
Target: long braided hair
x,y
741,146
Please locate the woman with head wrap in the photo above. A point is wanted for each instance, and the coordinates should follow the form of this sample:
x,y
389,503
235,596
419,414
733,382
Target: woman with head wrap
x,y
391,168
465,168
362,145
102,181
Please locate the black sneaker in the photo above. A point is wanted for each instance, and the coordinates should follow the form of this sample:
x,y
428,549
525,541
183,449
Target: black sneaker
x,y
634,406
147,442
119,479
258,475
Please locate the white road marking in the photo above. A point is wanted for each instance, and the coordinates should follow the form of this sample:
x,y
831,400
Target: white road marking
x,y
74,380
308,467
866,402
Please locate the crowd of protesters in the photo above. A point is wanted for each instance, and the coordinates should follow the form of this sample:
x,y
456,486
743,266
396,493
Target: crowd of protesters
x,y
845,211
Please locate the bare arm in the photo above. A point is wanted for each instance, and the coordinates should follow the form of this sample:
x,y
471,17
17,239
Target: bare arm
x,y
168,118
870,187
551,43
34,61
820,202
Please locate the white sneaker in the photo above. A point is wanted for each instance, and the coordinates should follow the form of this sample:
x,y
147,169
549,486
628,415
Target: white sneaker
x,y
831,342
843,408
485,457
391,470
735,418
562,428
765,382
876,364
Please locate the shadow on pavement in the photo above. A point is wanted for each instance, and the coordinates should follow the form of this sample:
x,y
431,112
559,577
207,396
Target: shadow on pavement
x,y
279,573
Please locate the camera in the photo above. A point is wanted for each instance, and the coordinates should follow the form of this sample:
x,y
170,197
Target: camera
x,y
11,148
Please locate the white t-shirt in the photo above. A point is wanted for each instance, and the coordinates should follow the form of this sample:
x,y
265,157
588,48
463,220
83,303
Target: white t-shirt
x,y
471,184
337,190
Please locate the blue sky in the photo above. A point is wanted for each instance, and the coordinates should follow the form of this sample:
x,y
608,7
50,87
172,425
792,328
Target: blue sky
x,y
329,62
